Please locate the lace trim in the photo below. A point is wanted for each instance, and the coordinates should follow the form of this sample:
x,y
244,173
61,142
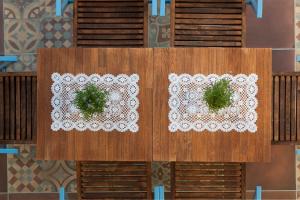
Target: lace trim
x,y
121,109
189,112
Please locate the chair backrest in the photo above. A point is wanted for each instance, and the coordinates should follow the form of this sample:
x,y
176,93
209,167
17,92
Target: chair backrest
x,y
207,23
111,23
208,180
18,99
114,180
286,108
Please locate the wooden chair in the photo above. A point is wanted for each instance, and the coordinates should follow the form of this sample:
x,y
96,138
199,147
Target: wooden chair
x,y
207,23
111,23
207,180
18,101
286,108
114,180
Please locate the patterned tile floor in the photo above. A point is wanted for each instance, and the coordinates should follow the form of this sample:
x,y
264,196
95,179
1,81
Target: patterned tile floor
x,y
25,174
32,24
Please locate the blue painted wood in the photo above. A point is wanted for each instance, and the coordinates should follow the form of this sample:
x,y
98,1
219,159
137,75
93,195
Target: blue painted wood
x,y
162,193
156,193
162,11
60,6
62,193
8,58
167,1
258,192
154,8
257,6
159,193
9,151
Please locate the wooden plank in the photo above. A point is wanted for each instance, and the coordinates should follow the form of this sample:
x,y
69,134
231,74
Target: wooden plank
x,y
208,27
288,108
110,15
28,108
298,108
208,5
209,21
18,108
33,109
110,42
276,103
207,16
12,108
110,4
2,108
110,37
221,33
7,106
110,20
282,109
110,26
23,109
209,10
208,43
294,109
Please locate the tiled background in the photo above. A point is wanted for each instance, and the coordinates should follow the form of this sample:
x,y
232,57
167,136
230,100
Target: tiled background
x,y
26,25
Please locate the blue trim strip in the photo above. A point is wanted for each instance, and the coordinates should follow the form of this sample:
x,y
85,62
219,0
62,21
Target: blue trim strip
x,y
8,58
162,11
257,6
167,1
9,151
154,8
60,6
62,193
156,193
159,193
258,193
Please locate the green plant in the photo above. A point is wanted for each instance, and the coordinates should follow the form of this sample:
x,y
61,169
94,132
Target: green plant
x,y
218,96
91,100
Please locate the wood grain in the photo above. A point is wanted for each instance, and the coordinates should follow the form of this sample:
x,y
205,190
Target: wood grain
x,y
111,23
285,118
153,141
17,107
100,145
205,146
207,23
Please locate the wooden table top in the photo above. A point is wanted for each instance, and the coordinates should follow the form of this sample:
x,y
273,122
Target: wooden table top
x,y
153,141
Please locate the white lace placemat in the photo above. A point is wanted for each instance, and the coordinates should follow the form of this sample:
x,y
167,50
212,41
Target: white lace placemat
x,y
188,111
121,108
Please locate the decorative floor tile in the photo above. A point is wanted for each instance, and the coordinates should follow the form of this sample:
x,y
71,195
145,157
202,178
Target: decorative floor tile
x,y
25,174
26,62
23,9
49,7
161,175
56,32
159,30
21,36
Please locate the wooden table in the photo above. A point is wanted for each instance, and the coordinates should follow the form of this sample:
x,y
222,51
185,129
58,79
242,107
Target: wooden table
x,y
154,141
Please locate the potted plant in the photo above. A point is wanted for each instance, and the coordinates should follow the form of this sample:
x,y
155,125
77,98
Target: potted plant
x,y
91,100
218,96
